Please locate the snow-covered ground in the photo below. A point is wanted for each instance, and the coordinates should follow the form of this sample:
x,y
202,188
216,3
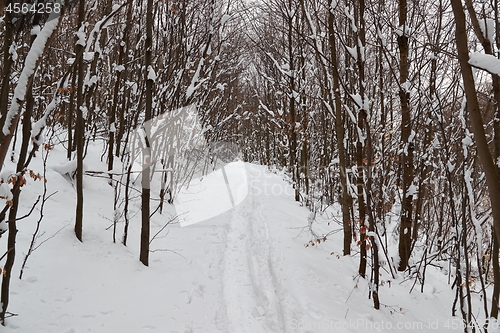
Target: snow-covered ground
x,y
246,270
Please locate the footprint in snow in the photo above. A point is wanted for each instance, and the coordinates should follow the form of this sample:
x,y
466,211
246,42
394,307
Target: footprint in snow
x,y
258,311
31,279
314,312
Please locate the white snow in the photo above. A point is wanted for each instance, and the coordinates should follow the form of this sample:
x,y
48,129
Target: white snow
x,y
488,29
81,37
411,191
475,221
3,226
85,111
350,16
353,52
35,30
13,51
403,31
382,38
486,62
224,19
412,136
39,125
35,52
195,80
450,166
245,269
88,56
405,86
66,168
266,108
5,192
333,4
151,73
362,103
212,192
467,141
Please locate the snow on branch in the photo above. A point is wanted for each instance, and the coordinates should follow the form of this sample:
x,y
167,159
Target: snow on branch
x,y
350,16
403,31
30,64
101,25
487,27
266,108
37,127
485,61
284,69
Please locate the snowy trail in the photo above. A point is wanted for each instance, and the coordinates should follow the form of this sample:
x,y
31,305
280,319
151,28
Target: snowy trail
x,y
251,288
244,271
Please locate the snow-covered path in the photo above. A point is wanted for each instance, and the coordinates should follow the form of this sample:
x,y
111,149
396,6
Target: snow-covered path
x,y
252,289
244,271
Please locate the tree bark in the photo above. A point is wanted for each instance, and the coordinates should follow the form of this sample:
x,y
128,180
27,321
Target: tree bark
x,y
7,67
80,130
408,147
16,191
339,132
292,106
485,156
146,192
495,80
361,142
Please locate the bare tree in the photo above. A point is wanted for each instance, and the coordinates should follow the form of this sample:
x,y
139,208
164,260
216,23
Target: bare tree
x,y
146,190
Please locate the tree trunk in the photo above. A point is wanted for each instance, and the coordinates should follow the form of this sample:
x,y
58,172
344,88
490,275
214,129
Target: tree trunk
x,y
495,80
16,191
7,67
496,279
408,147
25,80
485,156
123,49
339,132
362,119
145,228
292,107
80,129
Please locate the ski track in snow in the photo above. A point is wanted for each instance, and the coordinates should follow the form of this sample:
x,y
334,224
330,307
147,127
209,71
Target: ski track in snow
x,y
251,289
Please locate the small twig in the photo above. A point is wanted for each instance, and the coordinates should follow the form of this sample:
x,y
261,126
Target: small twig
x,y
163,228
96,173
54,235
106,176
167,250
6,253
301,230
393,308
112,225
10,314
29,213
45,197
355,286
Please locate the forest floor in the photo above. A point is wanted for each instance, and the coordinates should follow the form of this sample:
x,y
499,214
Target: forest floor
x,y
245,270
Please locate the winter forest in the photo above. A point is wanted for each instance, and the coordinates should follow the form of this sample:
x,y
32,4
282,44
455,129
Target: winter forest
x,y
250,165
